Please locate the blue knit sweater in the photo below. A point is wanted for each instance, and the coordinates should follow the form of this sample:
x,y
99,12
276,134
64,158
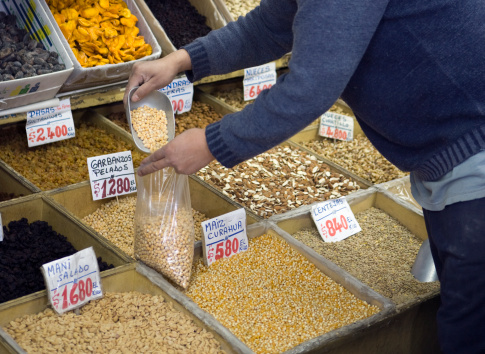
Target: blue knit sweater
x,y
413,72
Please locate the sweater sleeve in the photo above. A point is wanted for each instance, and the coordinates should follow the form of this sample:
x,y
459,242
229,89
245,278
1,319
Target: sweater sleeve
x,y
328,40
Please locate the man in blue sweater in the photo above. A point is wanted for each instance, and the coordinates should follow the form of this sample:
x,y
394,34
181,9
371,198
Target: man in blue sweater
x,y
413,72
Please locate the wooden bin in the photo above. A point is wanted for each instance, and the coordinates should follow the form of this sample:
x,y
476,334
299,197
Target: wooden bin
x,y
39,207
412,329
130,277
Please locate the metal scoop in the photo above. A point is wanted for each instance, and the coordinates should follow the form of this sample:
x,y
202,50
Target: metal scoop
x,y
423,268
154,99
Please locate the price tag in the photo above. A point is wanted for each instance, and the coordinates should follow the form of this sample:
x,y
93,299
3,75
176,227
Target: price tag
x,y
1,228
335,220
72,281
50,124
224,236
111,175
257,79
337,126
181,93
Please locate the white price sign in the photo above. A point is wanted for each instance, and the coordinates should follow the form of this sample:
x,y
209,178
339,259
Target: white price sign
x,y
72,281
334,220
337,126
224,236
181,93
111,175
257,79
50,124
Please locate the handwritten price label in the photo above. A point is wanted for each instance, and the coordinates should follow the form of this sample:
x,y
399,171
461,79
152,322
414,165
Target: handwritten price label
x,y
181,93
50,124
111,175
72,281
257,79
334,220
224,236
336,126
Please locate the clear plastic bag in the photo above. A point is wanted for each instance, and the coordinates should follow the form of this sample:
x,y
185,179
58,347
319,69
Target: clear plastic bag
x,y
164,225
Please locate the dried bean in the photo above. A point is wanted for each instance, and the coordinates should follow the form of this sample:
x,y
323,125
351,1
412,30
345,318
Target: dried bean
x,y
151,126
26,246
278,180
273,298
129,322
381,255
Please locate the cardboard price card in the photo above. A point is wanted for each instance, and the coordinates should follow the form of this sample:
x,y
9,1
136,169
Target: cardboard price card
x,y
181,93
257,79
50,124
334,220
111,175
336,126
224,236
72,281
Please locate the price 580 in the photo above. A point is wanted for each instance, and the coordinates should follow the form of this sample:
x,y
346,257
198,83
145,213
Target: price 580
x,y
227,248
332,226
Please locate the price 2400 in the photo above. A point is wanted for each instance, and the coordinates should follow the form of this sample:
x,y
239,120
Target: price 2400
x,y
227,248
79,291
41,134
333,226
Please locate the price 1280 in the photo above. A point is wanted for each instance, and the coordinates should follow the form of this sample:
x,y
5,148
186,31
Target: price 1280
x,y
113,186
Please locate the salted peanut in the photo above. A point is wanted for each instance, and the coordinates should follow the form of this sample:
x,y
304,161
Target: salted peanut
x,y
281,179
166,244
129,322
272,298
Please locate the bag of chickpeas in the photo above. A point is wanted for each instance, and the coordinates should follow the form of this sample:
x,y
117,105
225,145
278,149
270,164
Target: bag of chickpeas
x,y
164,225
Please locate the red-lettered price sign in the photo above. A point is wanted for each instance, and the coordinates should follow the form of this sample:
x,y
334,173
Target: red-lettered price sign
x,y
336,126
50,124
334,220
72,281
111,175
224,236
181,93
257,79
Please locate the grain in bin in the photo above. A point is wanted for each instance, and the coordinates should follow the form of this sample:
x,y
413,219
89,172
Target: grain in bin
x,y
274,296
381,256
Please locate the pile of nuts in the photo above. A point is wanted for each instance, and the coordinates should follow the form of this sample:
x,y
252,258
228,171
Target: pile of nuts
x,y
21,56
272,298
381,255
278,180
239,7
119,118
129,322
166,244
358,156
151,126
64,162
115,220
100,32
199,116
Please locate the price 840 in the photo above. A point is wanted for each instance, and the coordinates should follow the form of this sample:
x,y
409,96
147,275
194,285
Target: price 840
x,y
330,227
226,248
80,291
41,134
